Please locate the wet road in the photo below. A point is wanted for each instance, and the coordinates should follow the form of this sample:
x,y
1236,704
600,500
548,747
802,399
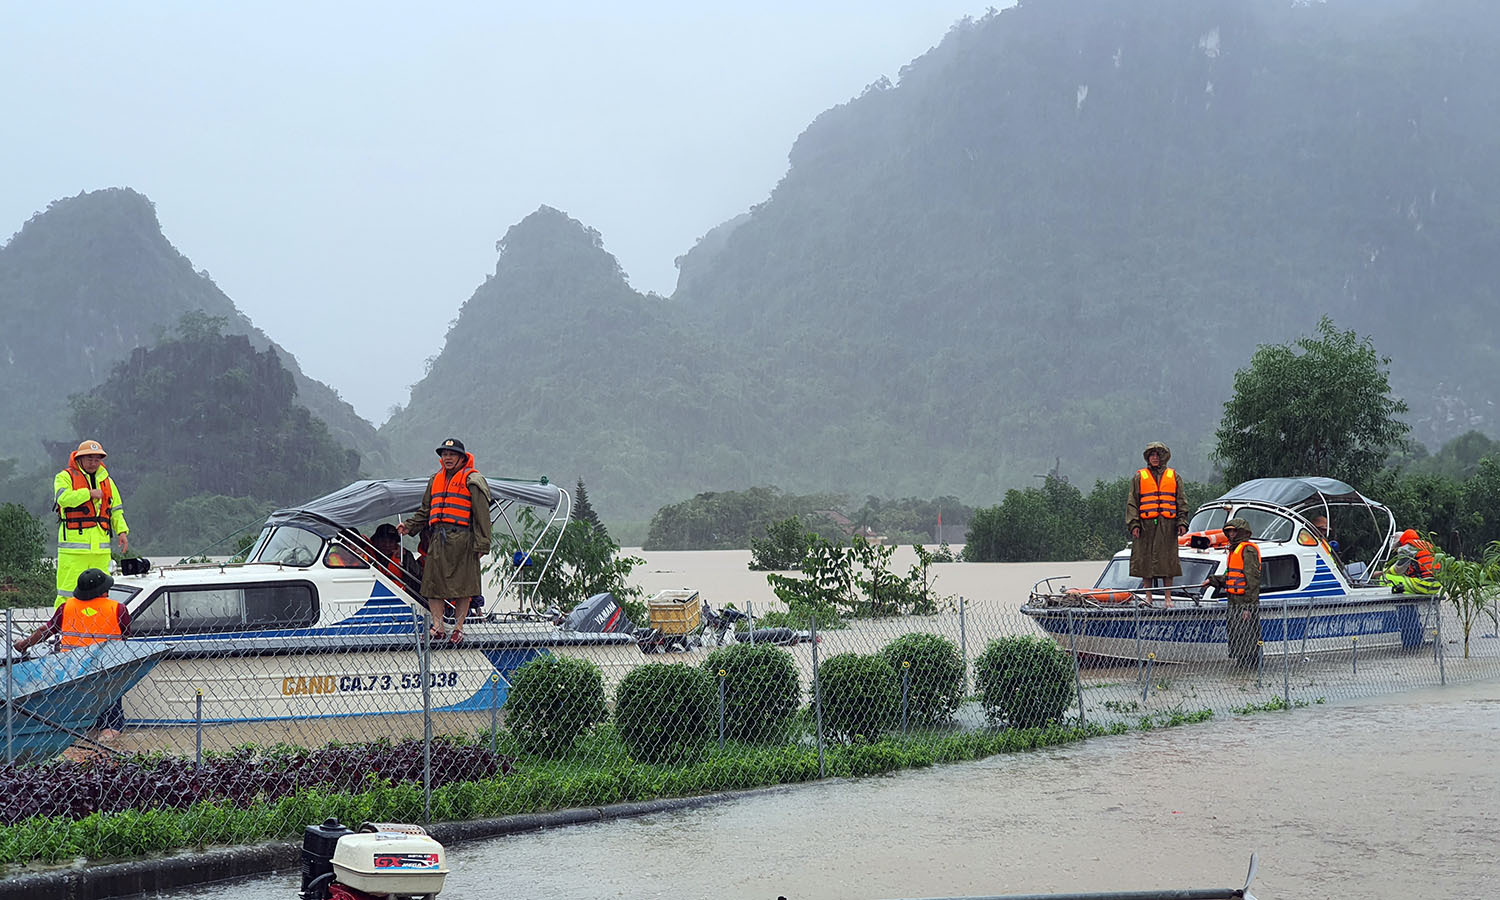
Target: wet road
x,y
1393,797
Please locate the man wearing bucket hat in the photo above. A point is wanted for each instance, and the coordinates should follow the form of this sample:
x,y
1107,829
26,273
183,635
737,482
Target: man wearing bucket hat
x,y
1240,585
456,511
1155,517
87,617
89,511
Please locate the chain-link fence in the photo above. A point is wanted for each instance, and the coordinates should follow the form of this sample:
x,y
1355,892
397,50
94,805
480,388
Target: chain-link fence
x,y
125,748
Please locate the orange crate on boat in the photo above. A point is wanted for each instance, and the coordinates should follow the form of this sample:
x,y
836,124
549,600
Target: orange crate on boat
x,y
675,612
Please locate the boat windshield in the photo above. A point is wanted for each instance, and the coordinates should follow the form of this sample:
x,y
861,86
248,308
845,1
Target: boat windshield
x,y
288,546
1117,577
1264,524
1209,519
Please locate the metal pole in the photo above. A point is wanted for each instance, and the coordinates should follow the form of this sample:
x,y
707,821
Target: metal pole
x,y
1438,639
1260,661
722,680
750,617
1139,667
1354,643
10,689
963,642
1077,678
198,730
424,666
494,709
905,691
817,693
1150,658
1286,658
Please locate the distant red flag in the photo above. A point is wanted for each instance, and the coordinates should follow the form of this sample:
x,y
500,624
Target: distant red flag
x,y
940,519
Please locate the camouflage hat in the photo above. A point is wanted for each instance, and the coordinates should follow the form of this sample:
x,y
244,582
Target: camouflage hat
x,y
1237,524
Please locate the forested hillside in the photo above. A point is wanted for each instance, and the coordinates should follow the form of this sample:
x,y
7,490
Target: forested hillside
x,y
1057,234
82,285
1068,224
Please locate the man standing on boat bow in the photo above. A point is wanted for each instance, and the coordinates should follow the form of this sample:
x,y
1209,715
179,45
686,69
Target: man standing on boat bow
x,y
1154,517
89,509
456,511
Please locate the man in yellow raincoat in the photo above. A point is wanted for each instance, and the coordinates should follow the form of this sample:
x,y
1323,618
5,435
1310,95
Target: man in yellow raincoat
x,y
90,510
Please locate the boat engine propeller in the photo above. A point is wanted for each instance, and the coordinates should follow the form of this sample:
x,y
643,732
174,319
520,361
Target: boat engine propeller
x,y
380,861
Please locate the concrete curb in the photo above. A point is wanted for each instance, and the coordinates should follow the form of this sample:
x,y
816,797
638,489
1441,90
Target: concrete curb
x,y
151,876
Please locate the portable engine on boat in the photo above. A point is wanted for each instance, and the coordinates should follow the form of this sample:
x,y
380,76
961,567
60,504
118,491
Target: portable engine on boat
x,y
380,861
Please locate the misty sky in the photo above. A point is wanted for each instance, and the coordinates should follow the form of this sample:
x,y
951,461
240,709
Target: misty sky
x,y
344,170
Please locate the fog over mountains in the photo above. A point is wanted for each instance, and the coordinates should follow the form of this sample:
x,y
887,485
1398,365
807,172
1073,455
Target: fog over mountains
x,y
1056,235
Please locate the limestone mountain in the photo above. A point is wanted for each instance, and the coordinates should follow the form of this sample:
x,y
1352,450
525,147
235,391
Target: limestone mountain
x,y
85,283
1061,230
556,367
1056,234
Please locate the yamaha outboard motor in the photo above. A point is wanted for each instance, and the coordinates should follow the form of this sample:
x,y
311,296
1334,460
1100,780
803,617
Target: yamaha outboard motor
x,y
599,614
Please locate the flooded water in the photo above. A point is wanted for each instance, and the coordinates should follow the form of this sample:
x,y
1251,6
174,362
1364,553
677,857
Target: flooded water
x,y
723,577
1385,798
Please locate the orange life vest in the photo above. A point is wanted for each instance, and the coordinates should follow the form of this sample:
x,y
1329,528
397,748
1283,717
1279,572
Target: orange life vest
x,y
1158,499
391,565
91,513
1234,577
86,622
450,496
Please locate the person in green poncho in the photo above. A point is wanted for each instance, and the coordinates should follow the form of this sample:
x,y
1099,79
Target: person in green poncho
x,y
1155,516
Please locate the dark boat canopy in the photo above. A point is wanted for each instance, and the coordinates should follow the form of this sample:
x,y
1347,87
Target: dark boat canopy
x,y
1295,492
366,501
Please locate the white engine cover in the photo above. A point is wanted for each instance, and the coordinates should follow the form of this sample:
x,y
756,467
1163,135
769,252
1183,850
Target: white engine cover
x,y
386,862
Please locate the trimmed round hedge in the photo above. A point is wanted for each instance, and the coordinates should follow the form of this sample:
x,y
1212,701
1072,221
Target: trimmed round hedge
x,y
552,701
861,696
667,712
935,683
1024,680
761,690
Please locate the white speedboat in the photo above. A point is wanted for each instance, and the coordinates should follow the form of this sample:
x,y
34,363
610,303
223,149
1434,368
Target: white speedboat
x,y
1309,600
307,628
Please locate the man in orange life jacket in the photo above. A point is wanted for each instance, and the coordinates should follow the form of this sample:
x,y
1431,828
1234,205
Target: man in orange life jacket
x,y
1240,585
1155,517
395,560
456,510
89,510
87,617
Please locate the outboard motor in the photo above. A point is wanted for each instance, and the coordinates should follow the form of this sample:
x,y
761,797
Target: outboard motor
x,y
382,861
599,614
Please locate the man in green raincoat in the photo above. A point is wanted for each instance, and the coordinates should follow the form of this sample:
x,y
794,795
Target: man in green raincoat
x,y
1240,585
1155,515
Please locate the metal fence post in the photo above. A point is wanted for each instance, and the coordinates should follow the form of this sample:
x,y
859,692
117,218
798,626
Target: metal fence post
x,y
723,677
1438,640
494,709
10,689
1077,678
1286,659
1354,644
1146,686
1139,665
905,692
198,730
817,693
424,666
963,642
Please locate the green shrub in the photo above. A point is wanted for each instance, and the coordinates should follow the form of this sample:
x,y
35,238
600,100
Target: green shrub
x,y
554,699
1024,680
761,690
860,696
935,684
666,713
782,548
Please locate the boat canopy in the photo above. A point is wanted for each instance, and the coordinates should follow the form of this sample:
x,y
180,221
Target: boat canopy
x,y
366,501
1293,493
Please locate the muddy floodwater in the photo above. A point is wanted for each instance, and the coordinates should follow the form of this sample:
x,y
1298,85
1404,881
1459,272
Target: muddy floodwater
x,y
1392,797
